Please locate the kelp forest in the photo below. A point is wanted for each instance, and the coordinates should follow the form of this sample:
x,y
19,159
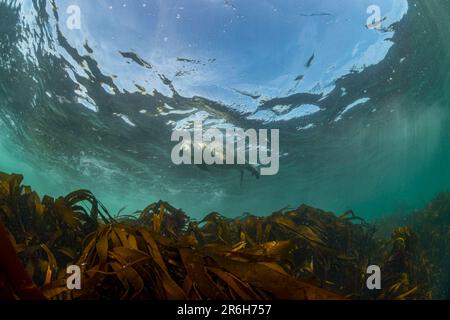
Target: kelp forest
x,y
160,253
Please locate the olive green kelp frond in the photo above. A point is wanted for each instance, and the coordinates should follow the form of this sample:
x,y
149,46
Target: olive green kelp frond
x,y
160,253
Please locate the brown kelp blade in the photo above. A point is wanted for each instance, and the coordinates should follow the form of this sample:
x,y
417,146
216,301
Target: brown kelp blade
x,y
160,253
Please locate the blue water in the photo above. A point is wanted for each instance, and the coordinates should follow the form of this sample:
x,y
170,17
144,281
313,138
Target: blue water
x,y
363,114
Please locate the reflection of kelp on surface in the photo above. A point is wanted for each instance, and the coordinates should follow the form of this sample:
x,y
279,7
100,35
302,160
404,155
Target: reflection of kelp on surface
x,y
161,254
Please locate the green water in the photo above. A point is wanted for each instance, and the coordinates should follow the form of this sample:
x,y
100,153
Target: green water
x,y
391,155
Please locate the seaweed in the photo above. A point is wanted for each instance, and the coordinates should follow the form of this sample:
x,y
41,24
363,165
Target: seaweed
x,y
431,227
160,253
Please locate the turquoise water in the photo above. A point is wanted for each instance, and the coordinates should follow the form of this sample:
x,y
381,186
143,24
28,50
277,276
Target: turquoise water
x,y
95,107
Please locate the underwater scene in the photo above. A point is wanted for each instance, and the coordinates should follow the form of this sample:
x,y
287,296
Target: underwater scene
x,y
225,150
